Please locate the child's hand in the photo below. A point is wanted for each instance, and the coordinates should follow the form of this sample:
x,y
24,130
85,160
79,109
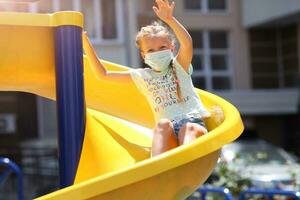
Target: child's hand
x,y
164,10
218,114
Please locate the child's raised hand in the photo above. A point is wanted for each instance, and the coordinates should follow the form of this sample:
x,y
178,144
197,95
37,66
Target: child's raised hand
x,y
164,10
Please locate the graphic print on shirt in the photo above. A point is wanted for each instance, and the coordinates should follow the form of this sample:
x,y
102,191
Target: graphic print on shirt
x,y
163,90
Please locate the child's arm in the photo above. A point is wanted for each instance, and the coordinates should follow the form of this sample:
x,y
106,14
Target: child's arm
x,y
165,12
99,69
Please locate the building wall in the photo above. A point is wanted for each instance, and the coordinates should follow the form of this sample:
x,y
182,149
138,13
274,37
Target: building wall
x,y
132,29
47,118
229,21
256,12
114,53
298,27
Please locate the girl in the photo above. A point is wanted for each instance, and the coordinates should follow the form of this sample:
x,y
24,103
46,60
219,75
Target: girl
x,y
167,84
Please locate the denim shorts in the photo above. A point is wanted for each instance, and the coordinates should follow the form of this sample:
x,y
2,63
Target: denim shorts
x,y
177,124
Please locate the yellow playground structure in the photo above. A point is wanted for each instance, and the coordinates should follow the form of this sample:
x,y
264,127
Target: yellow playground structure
x,y
115,159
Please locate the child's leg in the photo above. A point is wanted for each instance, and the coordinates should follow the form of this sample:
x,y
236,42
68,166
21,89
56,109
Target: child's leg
x,y
189,132
163,137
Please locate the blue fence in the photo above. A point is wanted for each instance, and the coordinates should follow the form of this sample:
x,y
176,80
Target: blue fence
x,y
9,167
223,191
269,194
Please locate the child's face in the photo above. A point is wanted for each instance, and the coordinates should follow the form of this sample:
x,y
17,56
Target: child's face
x,y
153,44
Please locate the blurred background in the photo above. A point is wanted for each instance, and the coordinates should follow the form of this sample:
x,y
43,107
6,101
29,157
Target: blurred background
x,y
246,51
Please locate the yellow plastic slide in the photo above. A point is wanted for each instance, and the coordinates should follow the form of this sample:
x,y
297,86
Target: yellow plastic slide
x,y
115,161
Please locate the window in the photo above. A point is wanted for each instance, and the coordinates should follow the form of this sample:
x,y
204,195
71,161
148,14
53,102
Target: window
x,y
87,8
274,57
109,19
106,17
206,6
102,17
211,60
216,4
193,4
8,123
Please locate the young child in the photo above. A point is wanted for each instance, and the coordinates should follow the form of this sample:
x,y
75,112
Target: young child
x,y
167,84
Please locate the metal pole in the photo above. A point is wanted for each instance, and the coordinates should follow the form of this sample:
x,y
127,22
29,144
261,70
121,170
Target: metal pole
x,y
70,100
223,191
15,168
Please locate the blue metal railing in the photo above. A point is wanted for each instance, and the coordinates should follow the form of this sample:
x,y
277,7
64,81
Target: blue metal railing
x,y
220,190
12,167
69,100
269,193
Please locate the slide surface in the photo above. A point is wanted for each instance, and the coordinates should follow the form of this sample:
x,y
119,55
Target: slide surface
x,y
115,159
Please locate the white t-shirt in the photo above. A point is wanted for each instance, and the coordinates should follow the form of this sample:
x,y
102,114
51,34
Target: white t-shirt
x,y
160,91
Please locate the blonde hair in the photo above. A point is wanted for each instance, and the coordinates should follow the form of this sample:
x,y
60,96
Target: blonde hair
x,y
157,28
178,91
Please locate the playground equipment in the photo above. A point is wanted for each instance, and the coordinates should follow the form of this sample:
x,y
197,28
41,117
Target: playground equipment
x,y
270,193
9,167
104,147
218,190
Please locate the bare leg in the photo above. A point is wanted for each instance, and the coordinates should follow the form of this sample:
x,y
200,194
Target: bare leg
x,y
189,132
163,137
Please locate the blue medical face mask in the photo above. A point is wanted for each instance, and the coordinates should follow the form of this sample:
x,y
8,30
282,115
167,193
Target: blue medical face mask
x,y
159,60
